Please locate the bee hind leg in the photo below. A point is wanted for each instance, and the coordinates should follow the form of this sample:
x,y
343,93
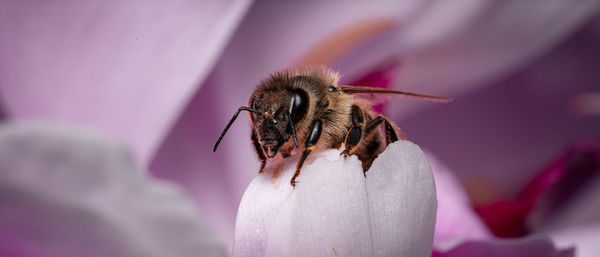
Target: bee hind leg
x,y
371,145
355,133
392,132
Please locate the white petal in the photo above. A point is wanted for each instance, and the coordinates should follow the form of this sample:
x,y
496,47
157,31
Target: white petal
x,y
327,214
66,193
334,210
259,208
403,201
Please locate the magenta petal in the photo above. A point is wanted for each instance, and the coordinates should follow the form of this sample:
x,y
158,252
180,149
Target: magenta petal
x,y
125,68
526,247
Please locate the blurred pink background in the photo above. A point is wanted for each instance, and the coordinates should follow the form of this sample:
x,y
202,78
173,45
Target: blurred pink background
x,y
163,78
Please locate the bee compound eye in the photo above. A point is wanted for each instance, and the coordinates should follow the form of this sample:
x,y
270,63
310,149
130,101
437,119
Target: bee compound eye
x,y
299,104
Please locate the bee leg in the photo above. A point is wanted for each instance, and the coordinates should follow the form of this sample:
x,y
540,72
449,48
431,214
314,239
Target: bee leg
x,y
299,167
392,133
311,142
259,152
355,133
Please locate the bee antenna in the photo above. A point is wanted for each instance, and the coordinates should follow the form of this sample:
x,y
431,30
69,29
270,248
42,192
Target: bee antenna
x,y
243,108
293,129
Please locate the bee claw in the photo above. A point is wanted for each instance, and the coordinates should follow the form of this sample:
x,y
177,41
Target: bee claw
x,y
293,183
345,154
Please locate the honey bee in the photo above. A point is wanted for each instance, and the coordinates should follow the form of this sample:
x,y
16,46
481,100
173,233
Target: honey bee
x,y
305,108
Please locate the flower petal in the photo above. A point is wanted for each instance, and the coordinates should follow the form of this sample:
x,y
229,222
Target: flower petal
x,y
456,218
327,213
334,210
402,200
125,68
68,193
567,192
328,203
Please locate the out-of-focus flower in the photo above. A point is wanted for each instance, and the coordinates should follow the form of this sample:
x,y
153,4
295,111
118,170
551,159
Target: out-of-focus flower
x,y
550,196
127,68
461,232
67,193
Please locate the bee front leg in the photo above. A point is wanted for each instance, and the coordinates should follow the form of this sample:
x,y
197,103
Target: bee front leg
x,y
311,142
355,133
259,152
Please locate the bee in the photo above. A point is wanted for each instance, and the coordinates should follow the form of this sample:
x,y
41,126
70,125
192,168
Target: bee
x,y
305,108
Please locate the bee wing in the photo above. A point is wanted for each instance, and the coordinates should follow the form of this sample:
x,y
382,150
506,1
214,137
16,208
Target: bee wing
x,y
380,95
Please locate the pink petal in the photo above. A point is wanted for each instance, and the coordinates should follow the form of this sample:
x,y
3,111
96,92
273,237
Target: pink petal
x,y
126,69
451,48
76,194
518,125
456,219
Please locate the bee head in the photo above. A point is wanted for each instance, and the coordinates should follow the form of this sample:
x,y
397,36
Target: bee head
x,y
280,111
